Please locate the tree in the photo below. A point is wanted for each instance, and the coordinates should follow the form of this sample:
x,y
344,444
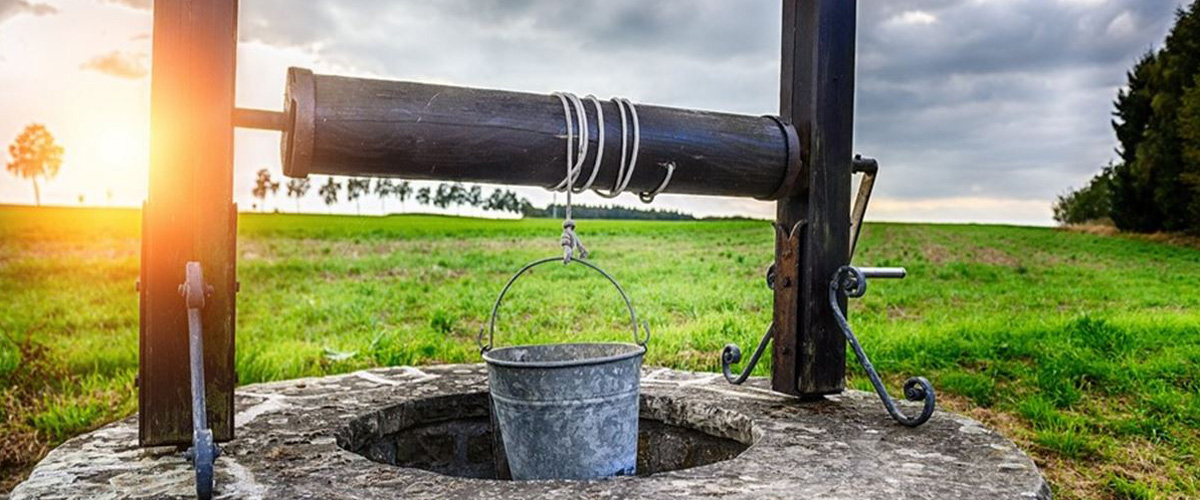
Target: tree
x,y
275,194
504,201
444,196
423,195
34,154
1088,204
402,191
263,185
1156,184
383,189
329,193
297,188
475,196
355,188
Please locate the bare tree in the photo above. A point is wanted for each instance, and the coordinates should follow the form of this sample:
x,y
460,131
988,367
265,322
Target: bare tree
x,y
35,154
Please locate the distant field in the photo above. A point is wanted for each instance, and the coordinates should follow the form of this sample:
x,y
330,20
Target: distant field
x,y
1085,349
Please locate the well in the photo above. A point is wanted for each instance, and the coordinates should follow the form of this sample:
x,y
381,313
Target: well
x,y
425,433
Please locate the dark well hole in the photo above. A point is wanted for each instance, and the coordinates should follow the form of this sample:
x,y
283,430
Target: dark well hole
x,y
452,435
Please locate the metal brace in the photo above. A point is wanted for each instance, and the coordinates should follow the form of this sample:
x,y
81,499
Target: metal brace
x,y
788,281
204,450
852,281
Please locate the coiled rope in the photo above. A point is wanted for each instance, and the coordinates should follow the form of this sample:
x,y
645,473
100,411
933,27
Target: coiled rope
x,y
576,117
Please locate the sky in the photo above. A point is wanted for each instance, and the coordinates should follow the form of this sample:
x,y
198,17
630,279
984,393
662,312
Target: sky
x,y
978,110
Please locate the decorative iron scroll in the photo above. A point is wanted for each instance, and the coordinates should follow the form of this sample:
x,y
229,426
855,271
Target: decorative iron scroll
x,y
852,281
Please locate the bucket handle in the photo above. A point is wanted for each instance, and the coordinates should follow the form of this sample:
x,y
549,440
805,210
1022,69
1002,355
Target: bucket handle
x,y
491,329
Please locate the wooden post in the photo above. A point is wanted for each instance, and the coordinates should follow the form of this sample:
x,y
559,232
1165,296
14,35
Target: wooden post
x,y
817,97
188,215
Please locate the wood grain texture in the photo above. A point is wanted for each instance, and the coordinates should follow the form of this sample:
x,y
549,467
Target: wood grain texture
x,y
817,96
437,132
188,216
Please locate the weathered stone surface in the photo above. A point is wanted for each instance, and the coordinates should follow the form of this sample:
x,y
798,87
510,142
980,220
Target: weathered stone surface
x,y
845,447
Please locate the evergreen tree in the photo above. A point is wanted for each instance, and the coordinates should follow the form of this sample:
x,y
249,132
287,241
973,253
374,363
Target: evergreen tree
x,y
1156,184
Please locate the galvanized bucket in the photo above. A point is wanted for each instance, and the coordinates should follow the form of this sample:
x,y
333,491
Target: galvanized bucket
x,y
566,411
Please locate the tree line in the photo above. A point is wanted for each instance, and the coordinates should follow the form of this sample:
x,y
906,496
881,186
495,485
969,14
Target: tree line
x,y
1155,184
608,212
445,195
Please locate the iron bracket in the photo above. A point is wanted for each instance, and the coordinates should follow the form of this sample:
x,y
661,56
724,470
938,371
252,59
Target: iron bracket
x,y
204,450
852,281
782,277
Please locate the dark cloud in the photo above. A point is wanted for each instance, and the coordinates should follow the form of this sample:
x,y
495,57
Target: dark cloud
x,y
958,98
11,8
128,65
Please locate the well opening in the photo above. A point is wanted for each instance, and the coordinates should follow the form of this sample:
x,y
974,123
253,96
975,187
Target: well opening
x,y
452,435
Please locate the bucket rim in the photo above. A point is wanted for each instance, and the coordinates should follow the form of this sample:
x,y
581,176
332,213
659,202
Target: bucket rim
x,y
637,352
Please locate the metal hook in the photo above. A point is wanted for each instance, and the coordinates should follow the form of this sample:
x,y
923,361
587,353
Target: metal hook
x,y
648,197
852,281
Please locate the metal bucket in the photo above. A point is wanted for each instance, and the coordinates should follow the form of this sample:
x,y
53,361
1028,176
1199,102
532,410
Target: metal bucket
x,y
566,411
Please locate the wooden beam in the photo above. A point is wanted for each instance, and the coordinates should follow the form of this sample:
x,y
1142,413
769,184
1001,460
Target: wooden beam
x,y
817,97
354,126
188,215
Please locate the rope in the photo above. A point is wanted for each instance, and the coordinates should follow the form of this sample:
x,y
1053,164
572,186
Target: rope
x,y
625,165
570,241
576,118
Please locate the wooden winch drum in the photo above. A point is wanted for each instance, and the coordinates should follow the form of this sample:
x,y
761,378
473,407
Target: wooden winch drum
x,y
363,127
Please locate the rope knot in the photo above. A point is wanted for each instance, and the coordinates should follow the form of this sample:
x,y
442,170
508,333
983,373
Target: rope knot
x,y
570,242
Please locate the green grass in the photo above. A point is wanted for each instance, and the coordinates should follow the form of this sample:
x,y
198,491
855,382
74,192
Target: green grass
x,y
1085,349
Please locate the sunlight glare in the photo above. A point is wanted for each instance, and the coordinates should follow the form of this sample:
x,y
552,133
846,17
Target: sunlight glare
x,y
120,147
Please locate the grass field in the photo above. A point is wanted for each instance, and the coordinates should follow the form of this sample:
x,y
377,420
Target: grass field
x,y
1084,349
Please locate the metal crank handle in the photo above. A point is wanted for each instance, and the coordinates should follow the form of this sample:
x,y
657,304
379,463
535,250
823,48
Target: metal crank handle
x,y
852,281
884,272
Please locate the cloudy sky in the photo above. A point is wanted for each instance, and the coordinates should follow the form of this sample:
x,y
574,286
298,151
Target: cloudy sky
x,y
979,110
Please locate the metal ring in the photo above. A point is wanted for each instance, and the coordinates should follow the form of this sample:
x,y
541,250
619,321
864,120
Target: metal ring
x,y
491,329
792,179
